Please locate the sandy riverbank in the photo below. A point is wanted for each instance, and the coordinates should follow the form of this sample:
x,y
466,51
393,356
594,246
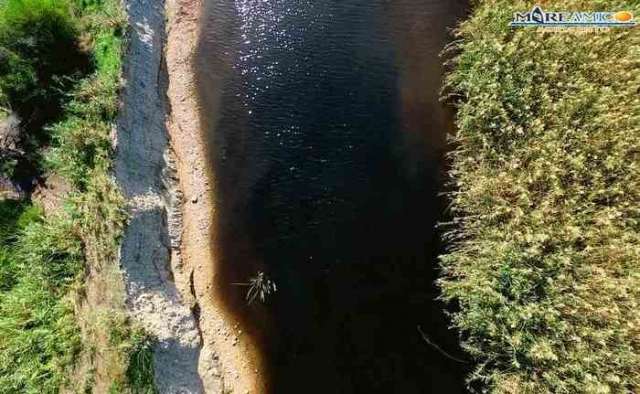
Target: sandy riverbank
x,y
167,250
225,349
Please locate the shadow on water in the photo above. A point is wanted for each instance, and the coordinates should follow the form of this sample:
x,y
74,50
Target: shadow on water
x,y
326,139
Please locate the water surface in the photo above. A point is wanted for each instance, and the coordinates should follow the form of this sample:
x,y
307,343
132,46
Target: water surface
x,y
326,138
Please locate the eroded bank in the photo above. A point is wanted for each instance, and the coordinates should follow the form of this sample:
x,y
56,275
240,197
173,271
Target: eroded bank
x,y
166,252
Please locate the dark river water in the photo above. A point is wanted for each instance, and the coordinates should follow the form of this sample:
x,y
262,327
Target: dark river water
x,y
326,140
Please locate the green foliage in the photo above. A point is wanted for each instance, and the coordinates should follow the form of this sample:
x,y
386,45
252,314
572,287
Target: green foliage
x,y
39,63
38,337
82,140
543,252
42,260
35,38
38,43
39,259
140,369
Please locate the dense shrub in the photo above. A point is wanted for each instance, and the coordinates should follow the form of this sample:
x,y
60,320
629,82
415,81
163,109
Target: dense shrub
x,y
543,252
40,60
38,49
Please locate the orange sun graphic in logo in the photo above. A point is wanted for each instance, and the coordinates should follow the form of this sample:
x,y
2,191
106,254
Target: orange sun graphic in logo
x,y
623,16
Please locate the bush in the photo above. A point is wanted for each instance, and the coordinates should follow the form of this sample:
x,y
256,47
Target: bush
x,y
40,60
38,43
543,252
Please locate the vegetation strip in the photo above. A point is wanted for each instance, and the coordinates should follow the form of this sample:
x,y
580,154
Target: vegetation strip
x,y
543,257
61,327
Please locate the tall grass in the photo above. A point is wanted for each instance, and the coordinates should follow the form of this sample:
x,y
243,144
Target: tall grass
x,y
543,254
63,322
38,336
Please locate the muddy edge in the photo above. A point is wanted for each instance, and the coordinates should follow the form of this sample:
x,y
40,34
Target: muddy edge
x,y
227,350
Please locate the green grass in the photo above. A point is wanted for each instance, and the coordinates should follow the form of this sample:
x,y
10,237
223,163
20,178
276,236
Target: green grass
x,y
54,331
34,37
40,62
38,336
543,260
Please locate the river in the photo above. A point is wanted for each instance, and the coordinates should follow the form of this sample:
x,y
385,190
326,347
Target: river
x,y
326,137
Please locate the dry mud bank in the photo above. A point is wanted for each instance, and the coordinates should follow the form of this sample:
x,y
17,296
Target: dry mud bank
x,y
167,253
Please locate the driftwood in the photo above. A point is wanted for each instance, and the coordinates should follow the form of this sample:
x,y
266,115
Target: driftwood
x,y
9,190
9,132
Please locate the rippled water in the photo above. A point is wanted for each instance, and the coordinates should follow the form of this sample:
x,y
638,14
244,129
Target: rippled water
x,y
326,139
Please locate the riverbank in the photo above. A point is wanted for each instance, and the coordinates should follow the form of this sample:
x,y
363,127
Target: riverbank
x,y
64,323
167,252
229,360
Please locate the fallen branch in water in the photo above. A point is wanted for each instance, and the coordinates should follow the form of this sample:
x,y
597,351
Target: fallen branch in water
x,y
438,348
260,286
